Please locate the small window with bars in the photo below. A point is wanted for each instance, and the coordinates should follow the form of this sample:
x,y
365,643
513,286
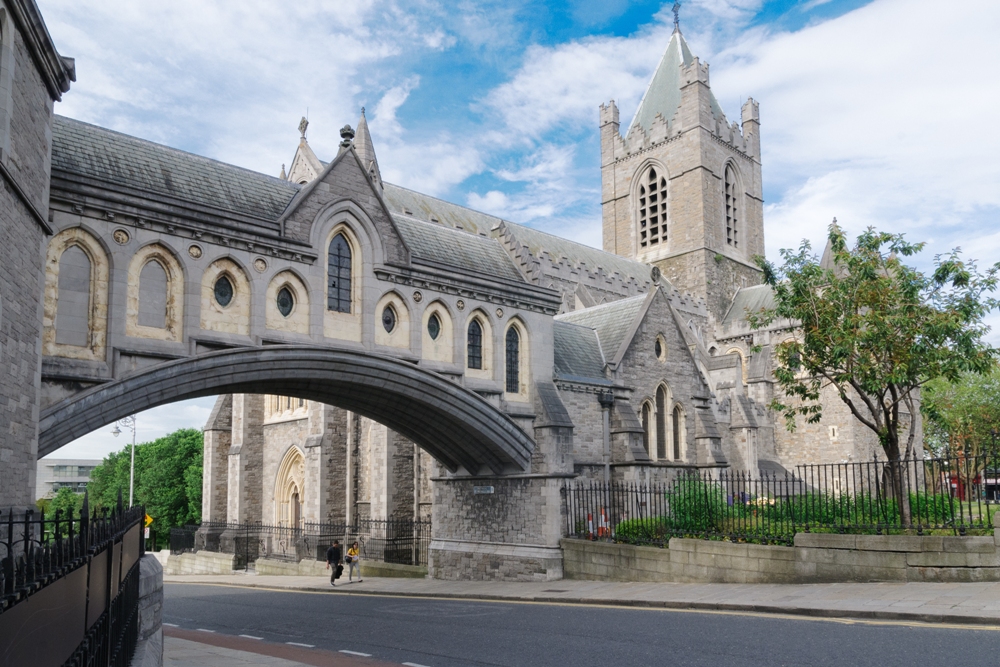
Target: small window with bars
x,y
513,361
652,209
475,345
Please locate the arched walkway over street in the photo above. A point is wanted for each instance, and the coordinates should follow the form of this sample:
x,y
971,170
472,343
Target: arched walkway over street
x,y
455,425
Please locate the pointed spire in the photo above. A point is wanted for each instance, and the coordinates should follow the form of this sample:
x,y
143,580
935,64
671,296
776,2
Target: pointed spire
x,y
366,150
283,176
663,96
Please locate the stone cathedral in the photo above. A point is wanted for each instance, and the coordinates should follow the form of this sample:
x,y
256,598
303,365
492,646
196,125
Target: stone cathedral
x,y
651,330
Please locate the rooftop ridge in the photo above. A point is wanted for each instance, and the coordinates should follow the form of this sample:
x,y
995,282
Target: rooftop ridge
x,y
57,118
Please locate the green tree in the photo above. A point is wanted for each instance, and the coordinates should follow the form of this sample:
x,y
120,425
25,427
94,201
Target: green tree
x,y
962,417
876,330
65,500
167,480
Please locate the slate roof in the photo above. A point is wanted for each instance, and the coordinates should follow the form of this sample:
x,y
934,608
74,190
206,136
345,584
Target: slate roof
x,y
749,299
539,242
470,252
663,95
118,159
577,352
612,321
426,207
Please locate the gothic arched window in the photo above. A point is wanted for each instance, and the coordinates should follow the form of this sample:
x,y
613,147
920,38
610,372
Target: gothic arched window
x,y
645,427
661,423
73,304
732,208
153,295
475,345
338,275
652,213
513,361
678,417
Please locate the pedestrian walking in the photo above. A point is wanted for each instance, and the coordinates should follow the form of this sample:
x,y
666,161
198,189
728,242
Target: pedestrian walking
x,y
353,562
334,562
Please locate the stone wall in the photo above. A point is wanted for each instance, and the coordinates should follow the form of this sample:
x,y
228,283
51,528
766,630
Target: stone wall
x,y
149,649
814,558
509,534
25,158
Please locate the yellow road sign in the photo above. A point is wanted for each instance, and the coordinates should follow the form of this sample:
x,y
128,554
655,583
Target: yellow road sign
x,y
149,520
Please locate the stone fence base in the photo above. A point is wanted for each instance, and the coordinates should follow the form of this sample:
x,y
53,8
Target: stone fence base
x,y
815,558
200,562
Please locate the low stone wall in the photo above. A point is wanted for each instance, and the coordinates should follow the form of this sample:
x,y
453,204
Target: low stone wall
x,y
200,562
317,568
814,558
149,649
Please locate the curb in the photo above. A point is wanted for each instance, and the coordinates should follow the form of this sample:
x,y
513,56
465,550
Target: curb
x,y
808,612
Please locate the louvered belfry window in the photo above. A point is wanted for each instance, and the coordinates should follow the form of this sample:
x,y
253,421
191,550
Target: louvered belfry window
x,y
513,361
475,345
732,210
338,274
652,209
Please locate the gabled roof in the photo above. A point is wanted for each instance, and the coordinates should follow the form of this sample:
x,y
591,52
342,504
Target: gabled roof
x,y
577,352
749,299
426,207
87,150
663,96
469,252
613,321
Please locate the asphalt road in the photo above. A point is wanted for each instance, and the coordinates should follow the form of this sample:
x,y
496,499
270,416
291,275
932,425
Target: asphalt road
x,y
447,633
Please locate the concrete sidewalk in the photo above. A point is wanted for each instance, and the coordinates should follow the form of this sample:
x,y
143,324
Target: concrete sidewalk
x,y
965,603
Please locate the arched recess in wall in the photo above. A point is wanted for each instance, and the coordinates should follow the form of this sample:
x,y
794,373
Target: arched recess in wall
x,y
155,295
343,305
479,346
743,361
733,207
663,401
678,433
646,413
517,361
438,333
650,211
289,486
75,321
286,304
225,298
392,321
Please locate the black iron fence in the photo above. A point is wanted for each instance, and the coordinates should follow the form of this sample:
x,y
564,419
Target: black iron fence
x,y
390,541
69,587
876,497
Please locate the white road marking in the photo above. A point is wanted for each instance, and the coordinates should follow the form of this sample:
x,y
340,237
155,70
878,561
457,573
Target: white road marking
x,y
363,655
251,637
303,645
413,664
204,630
172,625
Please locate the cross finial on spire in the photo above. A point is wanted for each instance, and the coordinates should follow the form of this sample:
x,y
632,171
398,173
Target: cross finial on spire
x,y
677,16
362,111
303,125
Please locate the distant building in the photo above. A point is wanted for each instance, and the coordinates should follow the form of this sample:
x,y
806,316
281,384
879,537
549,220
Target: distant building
x,y
54,474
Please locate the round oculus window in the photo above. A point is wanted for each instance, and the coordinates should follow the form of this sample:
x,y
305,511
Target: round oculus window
x,y
224,291
286,302
388,319
434,326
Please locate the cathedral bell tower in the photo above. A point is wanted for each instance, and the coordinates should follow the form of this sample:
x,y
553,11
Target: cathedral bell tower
x,y
682,188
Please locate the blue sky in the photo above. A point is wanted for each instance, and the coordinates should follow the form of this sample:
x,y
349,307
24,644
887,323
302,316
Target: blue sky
x,y
877,112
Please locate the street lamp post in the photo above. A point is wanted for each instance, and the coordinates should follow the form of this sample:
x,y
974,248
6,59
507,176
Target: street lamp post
x,y
128,422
